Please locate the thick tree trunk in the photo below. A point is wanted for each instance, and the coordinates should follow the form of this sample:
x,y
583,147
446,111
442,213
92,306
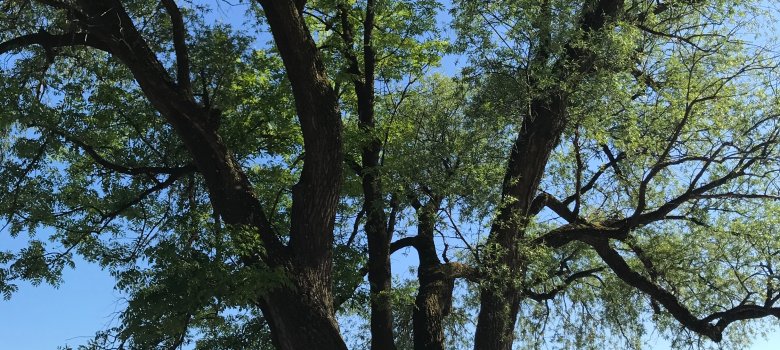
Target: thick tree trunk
x,y
308,322
500,298
434,297
431,306
302,318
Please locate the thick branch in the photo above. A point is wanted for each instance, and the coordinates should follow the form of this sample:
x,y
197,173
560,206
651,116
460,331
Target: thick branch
x,y
621,268
51,41
460,270
579,232
547,200
230,191
403,243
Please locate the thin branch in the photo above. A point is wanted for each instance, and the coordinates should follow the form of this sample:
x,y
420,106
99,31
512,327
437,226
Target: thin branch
x,y
142,170
560,288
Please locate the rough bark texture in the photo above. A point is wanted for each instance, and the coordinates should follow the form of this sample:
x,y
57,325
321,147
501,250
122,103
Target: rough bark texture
x,y
308,323
434,297
301,315
299,320
539,135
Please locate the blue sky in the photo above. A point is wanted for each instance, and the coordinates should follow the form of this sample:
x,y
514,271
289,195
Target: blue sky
x,y
43,317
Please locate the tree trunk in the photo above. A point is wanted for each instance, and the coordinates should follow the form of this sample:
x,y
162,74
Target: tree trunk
x,y
434,297
432,304
377,233
302,318
539,134
499,297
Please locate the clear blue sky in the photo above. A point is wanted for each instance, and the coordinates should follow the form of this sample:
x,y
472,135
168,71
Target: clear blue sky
x,y
43,317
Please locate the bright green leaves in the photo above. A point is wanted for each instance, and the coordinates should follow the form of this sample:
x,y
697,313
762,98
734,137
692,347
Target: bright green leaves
x,y
405,39
666,100
670,110
347,275
187,291
259,113
433,143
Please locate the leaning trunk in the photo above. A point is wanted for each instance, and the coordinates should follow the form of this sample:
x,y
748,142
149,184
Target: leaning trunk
x,y
539,134
500,297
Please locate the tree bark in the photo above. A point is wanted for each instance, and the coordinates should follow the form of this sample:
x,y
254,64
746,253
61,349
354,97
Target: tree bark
x,y
309,323
500,299
377,233
298,319
434,297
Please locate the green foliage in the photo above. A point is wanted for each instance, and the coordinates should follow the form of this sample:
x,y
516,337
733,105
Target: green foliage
x,y
684,97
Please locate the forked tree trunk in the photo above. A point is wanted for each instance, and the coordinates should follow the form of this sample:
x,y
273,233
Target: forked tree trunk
x,y
303,318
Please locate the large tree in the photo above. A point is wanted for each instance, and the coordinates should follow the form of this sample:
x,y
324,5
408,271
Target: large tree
x,y
620,157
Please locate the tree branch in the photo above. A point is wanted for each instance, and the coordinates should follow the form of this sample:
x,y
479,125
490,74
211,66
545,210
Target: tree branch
x,y
180,45
142,170
702,326
51,41
560,288
403,243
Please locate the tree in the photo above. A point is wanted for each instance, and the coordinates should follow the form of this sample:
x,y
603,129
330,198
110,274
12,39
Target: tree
x,y
619,153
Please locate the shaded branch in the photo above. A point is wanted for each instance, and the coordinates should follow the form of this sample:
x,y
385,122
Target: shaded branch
x,y
672,304
613,162
180,45
142,170
580,232
460,270
51,41
403,243
158,187
547,200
